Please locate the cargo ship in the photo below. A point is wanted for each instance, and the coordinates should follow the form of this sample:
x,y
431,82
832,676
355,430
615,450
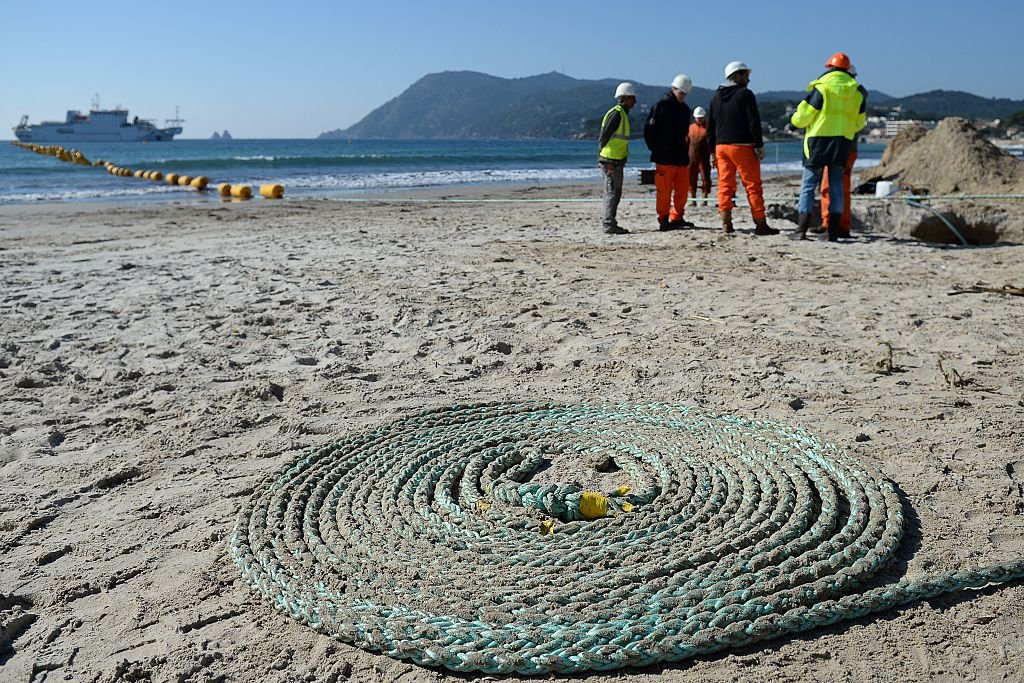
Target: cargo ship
x,y
99,125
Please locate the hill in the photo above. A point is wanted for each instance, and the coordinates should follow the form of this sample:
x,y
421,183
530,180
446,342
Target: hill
x,y
939,104
936,104
469,104
874,97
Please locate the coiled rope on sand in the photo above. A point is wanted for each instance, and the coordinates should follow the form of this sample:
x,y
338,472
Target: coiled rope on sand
x,y
425,538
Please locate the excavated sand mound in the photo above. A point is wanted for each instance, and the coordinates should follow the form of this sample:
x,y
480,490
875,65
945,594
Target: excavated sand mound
x,y
952,158
904,139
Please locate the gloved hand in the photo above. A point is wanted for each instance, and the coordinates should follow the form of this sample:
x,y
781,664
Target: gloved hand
x,y
760,153
713,164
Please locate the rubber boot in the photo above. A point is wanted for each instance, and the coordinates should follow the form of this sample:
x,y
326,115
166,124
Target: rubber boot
x,y
834,231
801,227
761,227
726,215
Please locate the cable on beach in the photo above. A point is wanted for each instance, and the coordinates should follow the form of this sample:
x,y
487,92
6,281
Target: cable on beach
x,y
428,539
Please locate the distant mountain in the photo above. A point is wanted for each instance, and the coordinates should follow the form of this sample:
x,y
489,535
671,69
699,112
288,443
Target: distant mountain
x,y
939,104
874,97
221,136
469,104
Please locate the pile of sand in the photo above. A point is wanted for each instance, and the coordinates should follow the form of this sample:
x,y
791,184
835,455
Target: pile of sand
x,y
952,158
904,139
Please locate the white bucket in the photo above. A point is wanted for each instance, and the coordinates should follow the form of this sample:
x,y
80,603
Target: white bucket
x,y
883,188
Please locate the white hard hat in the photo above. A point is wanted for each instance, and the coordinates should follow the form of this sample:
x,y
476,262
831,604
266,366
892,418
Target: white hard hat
x,y
625,90
682,82
733,67
699,113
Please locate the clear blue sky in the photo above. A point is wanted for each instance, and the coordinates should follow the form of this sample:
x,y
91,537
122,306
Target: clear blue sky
x,y
296,69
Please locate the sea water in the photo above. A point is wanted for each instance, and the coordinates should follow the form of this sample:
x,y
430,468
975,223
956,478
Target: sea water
x,y
324,168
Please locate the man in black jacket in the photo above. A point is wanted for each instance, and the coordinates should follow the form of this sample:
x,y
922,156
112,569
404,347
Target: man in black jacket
x,y
736,143
666,134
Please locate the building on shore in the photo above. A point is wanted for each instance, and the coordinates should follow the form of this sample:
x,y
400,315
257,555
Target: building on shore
x,y
894,126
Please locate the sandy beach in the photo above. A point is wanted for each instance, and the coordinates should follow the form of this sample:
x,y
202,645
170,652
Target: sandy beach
x,y
159,361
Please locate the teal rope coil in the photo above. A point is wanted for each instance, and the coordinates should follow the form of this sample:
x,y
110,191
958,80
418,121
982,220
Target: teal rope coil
x,y
421,539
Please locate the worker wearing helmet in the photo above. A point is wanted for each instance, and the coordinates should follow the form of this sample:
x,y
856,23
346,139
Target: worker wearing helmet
x,y
737,145
832,113
665,134
846,217
700,154
614,150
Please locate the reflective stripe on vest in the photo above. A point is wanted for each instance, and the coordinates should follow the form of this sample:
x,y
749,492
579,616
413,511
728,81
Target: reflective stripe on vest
x,y
618,145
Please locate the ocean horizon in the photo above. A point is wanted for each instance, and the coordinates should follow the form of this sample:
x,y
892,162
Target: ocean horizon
x,y
326,168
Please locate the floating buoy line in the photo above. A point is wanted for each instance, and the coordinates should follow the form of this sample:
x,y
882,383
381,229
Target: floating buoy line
x,y
200,183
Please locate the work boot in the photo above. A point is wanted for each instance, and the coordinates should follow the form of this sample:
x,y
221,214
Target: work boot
x,y
834,231
801,227
726,215
616,230
761,227
664,224
680,223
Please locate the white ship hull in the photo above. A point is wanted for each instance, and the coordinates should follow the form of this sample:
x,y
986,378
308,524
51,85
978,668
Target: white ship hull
x,y
99,126
48,135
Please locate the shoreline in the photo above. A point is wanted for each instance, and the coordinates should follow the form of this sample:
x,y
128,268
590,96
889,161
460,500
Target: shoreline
x,y
506,190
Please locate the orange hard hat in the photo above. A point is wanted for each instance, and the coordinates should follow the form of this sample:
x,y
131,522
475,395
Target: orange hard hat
x,y
839,60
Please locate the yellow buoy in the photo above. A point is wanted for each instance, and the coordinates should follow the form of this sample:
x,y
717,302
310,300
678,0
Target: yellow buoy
x,y
184,180
171,178
138,174
241,191
156,175
224,190
272,191
200,182
593,505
